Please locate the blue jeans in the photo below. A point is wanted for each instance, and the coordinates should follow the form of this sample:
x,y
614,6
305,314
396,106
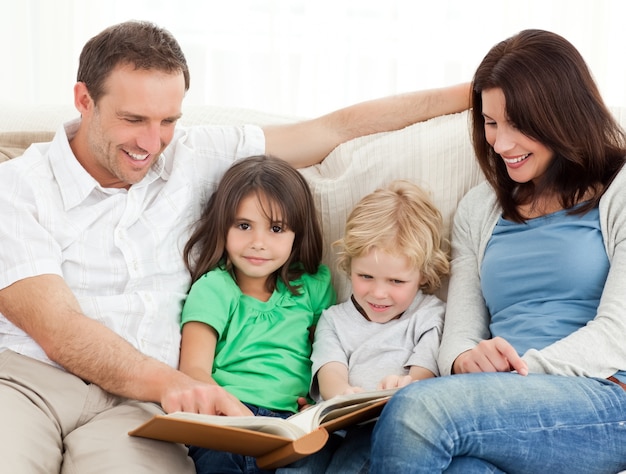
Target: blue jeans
x,y
502,422
209,461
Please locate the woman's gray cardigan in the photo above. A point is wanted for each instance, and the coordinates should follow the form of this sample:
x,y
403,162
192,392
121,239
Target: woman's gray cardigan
x,y
596,350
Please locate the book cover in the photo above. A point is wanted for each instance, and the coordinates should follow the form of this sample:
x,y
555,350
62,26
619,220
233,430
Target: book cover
x,y
273,441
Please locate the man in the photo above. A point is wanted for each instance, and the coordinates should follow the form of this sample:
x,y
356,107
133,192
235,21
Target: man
x,y
92,276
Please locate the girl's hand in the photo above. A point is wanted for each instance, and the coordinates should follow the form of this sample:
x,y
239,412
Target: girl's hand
x,y
394,381
303,403
490,355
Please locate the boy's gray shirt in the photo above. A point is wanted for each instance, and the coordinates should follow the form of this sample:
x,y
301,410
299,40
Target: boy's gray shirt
x,y
373,350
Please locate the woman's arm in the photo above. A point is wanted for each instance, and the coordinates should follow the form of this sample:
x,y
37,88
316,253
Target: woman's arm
x,y
467,318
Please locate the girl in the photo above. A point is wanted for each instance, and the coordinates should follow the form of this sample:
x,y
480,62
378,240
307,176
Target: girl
x,y
536,315
258,290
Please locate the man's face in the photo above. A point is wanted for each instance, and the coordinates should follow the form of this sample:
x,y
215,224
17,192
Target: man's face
x,y
122,135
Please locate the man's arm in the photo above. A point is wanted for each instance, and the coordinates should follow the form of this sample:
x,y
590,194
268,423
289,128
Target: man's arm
x,y
309,142
46,309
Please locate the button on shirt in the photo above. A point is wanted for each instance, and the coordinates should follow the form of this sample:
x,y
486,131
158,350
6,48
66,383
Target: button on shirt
x,y
120,251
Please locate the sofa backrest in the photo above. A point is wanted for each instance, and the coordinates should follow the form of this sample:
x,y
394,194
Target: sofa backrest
x,y
436,154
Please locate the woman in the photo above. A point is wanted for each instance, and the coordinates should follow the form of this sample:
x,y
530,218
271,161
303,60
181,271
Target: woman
x,y
536,318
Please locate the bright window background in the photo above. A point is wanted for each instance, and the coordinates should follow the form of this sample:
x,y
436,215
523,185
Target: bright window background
x,y
304,57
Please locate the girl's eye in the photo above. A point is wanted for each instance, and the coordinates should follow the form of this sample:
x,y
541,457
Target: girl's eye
x,y
276,229
365,277
398,282
243,226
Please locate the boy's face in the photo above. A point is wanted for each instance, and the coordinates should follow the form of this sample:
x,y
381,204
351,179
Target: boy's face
x,y
384,285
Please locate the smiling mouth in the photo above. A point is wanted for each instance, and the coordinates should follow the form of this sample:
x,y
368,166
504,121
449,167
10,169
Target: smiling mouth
x,y
379,306
518,159
137,157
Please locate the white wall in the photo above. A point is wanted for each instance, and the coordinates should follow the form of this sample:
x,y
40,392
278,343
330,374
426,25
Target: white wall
x,y
304,57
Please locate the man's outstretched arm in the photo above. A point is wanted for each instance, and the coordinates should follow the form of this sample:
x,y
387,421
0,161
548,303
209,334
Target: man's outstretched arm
x,y
45,308
309,142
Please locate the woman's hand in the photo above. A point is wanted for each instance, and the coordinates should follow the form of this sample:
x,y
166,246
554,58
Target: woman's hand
x,y
490,355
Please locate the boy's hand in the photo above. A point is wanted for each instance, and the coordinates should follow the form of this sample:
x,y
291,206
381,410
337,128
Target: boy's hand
x,y
352,389
394,381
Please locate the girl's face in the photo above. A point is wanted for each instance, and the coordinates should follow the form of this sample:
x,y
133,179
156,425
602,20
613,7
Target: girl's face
x,y
384,285
255,246
525,158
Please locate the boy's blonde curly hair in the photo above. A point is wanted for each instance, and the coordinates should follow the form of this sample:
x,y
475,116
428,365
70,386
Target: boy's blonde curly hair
x,y
401,220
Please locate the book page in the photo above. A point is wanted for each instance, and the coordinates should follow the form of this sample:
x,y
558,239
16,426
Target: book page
x,y
312,417
264,424
296,425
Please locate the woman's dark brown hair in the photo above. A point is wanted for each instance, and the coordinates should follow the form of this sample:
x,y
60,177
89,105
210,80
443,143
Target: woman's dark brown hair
x,y
288,194
550,96
138,43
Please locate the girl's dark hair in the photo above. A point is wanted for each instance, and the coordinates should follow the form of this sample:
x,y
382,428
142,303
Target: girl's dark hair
x,y
550,96
138,43
287,192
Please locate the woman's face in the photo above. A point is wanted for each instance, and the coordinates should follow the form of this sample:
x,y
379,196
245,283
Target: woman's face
x,y
525,158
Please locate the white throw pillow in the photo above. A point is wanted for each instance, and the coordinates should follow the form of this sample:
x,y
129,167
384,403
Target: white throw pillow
x,y
436,155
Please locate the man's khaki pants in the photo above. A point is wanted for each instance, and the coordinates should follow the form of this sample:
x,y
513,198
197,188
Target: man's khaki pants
x,y
52,421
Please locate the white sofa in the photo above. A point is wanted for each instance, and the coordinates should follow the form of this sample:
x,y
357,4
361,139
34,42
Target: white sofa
x,y
436,154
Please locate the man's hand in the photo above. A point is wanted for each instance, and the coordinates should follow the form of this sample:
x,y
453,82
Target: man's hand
x,y
490,355
200,397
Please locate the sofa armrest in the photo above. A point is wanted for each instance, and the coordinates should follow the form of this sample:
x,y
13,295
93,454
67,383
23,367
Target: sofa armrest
x,y
13,144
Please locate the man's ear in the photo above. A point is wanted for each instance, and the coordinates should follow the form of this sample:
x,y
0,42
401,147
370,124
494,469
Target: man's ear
x,y
82,100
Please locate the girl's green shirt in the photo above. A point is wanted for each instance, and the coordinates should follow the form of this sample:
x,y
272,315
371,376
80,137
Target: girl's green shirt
x,y
263,350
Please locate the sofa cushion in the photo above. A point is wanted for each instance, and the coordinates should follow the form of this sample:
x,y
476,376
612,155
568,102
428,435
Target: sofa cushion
x,y
436,155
